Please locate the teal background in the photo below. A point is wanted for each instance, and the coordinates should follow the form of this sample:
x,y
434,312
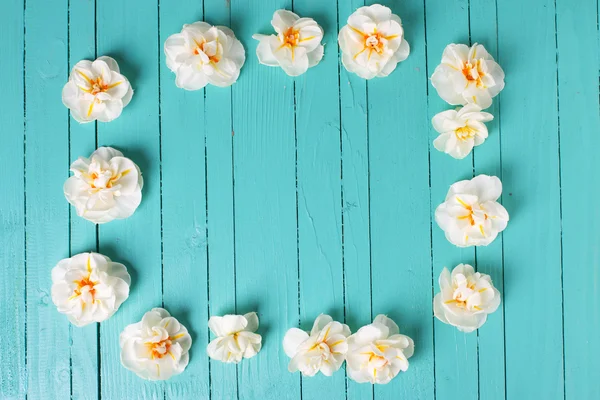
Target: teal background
x,y
294,197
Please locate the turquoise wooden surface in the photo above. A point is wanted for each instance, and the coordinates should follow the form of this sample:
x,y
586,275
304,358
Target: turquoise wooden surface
x,y
294,197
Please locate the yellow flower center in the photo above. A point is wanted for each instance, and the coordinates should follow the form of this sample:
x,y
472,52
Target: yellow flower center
x,y
473,72
464,133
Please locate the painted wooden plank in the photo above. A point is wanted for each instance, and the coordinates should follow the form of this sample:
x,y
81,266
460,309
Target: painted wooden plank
x,y
47,212
13,377
221,224
184,207
487,160
355,194
265,206
127,31
530,174
319,191
400,211
578,63
455,352
85,377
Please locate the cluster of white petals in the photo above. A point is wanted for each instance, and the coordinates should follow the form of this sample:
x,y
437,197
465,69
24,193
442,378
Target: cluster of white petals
x,y
373,42
322,350
466,298
96,91
157,347
296,47
203,54
460,130
468,75
89,287
105,186
470,215
236,337
378,352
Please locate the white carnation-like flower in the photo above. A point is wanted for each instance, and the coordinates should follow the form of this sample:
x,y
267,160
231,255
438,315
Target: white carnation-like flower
x,y
296,47
203,54
470,215
323,350
466,298
96,91
460,130
468,75
157,347
373,42
105,186
236,337
89,287
378,352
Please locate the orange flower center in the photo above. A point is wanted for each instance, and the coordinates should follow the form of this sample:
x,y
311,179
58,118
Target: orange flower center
x,y
159,349
473,72
291,37
200,48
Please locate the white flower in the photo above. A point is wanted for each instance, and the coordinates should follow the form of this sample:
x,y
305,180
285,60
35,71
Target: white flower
x,y
378,352
468,75
203,54
470,216
156,348
296,47
466,298
324,350
96,91
89,287
460,130
235,337
104,187
373,42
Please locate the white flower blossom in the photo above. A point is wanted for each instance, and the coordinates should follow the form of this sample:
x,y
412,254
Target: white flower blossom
x,y
470,215
89,287
157,347
460,130
468,75
203,54
373,42
378,352
105,186
236,337
324,349
296,47
96,91
466,298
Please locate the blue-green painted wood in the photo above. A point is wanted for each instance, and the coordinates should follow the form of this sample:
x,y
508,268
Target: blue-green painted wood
x,y
242,192
400,211
319,192
13,378
355,197
221,224
184,217
47,212
455,352
578,64
487,160
127,31
82,142
530,171
265,206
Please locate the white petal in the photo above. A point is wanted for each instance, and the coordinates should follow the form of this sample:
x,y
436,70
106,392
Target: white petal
x,y
263,51
227,324
283,19
292,340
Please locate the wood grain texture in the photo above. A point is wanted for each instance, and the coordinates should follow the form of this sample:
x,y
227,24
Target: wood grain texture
x,y
299,196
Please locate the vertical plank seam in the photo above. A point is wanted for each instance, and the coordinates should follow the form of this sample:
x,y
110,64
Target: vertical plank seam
x,y
69,211
337,23
560,203
160,169
97,233
430,197
237,367
26,382
503,303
